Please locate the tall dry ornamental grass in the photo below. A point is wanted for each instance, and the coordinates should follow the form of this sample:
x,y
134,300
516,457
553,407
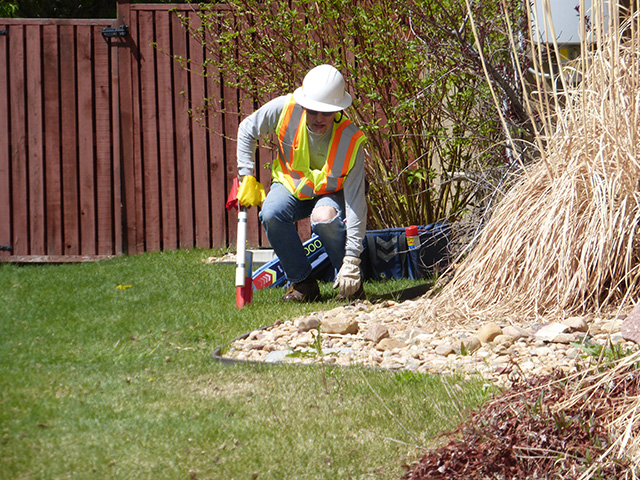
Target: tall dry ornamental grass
x,y
565,239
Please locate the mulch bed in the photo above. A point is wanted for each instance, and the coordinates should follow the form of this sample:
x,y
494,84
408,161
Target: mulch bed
x,y
522,434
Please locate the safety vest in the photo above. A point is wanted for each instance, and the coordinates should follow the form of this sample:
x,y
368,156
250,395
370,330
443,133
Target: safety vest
x,y
292,167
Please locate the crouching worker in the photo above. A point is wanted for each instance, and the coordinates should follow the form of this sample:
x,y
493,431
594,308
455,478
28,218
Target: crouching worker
x,y
319,173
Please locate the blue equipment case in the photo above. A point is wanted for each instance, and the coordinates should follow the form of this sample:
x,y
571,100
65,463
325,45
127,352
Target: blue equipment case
x,y
385,255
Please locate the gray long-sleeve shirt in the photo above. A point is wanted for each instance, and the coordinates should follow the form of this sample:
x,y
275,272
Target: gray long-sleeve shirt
x,y
264,121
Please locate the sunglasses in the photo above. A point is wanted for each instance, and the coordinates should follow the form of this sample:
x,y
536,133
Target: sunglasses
x,y
324,114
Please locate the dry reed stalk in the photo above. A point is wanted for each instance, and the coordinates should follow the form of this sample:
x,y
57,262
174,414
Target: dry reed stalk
x,y
564,240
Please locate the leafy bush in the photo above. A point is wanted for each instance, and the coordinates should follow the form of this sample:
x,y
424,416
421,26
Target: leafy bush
x,y
436,143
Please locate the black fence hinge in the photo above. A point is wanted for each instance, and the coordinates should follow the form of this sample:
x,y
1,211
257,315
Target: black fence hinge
x,y
4,32
121,31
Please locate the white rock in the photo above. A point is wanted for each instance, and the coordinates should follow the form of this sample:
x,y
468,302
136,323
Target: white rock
x,y
375,333
576,324
516,332
612,326
341,325
388,344
488,332
422,338
277,356
445,350
550,331
305,324
302,341
504,340
565,338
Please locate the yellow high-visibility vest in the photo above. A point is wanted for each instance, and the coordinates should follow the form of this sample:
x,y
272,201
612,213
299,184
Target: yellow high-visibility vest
x,y
292,167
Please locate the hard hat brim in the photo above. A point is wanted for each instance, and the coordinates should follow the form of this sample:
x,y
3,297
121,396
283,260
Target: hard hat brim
x,y
302,100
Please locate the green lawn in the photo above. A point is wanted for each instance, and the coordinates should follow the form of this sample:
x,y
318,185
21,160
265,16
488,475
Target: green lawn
x,y
106,373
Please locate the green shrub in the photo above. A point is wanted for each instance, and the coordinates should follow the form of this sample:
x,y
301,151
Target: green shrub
x,y
436,143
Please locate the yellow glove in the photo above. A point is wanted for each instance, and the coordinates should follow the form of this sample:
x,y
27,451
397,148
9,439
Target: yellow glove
x,y
251,192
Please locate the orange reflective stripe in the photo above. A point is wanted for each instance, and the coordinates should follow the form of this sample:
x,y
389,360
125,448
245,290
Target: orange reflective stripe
x,y
338,150
350,151
283,130
283,168
335,142
346,166
285,122
286,161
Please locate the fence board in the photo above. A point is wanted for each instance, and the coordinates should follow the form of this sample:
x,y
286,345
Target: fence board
x,y
117,49
230,107
165,127
86,128
149,131
199,141
68,134
116,152
123,78
19,189
183,142
137,154
105,191
217,168
5,184
53,192
35,148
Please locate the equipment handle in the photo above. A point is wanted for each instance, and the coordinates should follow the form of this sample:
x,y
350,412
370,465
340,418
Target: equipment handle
x,y
241,248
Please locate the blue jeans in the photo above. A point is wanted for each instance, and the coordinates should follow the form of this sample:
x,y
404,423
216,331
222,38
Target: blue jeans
x,y
279,213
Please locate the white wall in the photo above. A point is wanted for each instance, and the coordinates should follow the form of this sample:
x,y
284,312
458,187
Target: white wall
x,y
566,20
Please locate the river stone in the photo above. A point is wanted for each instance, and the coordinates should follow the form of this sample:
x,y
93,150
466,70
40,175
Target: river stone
x,y
341,325
305,324
277,356
612,326
489,332
505,340
550,331
630,328
471,344
375,333
387,344
500,350
445,350
516,332
416,336
302,341
576,324
565,338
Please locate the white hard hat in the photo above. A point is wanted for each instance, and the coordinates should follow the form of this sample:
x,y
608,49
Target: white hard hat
x,y
322,90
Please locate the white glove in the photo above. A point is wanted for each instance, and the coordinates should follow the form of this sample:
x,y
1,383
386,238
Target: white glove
x,y
348,280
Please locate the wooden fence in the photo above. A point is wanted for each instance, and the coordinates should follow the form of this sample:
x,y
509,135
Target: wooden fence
x,y
99,154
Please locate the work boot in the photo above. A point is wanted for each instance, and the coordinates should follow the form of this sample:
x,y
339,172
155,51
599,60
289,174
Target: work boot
x,y
305,291
359,295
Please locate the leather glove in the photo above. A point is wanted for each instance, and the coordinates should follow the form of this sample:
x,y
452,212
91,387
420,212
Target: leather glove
x,y
251,192
348,280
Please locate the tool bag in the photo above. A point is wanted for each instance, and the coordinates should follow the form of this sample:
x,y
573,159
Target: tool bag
x,y
387,254
272,274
